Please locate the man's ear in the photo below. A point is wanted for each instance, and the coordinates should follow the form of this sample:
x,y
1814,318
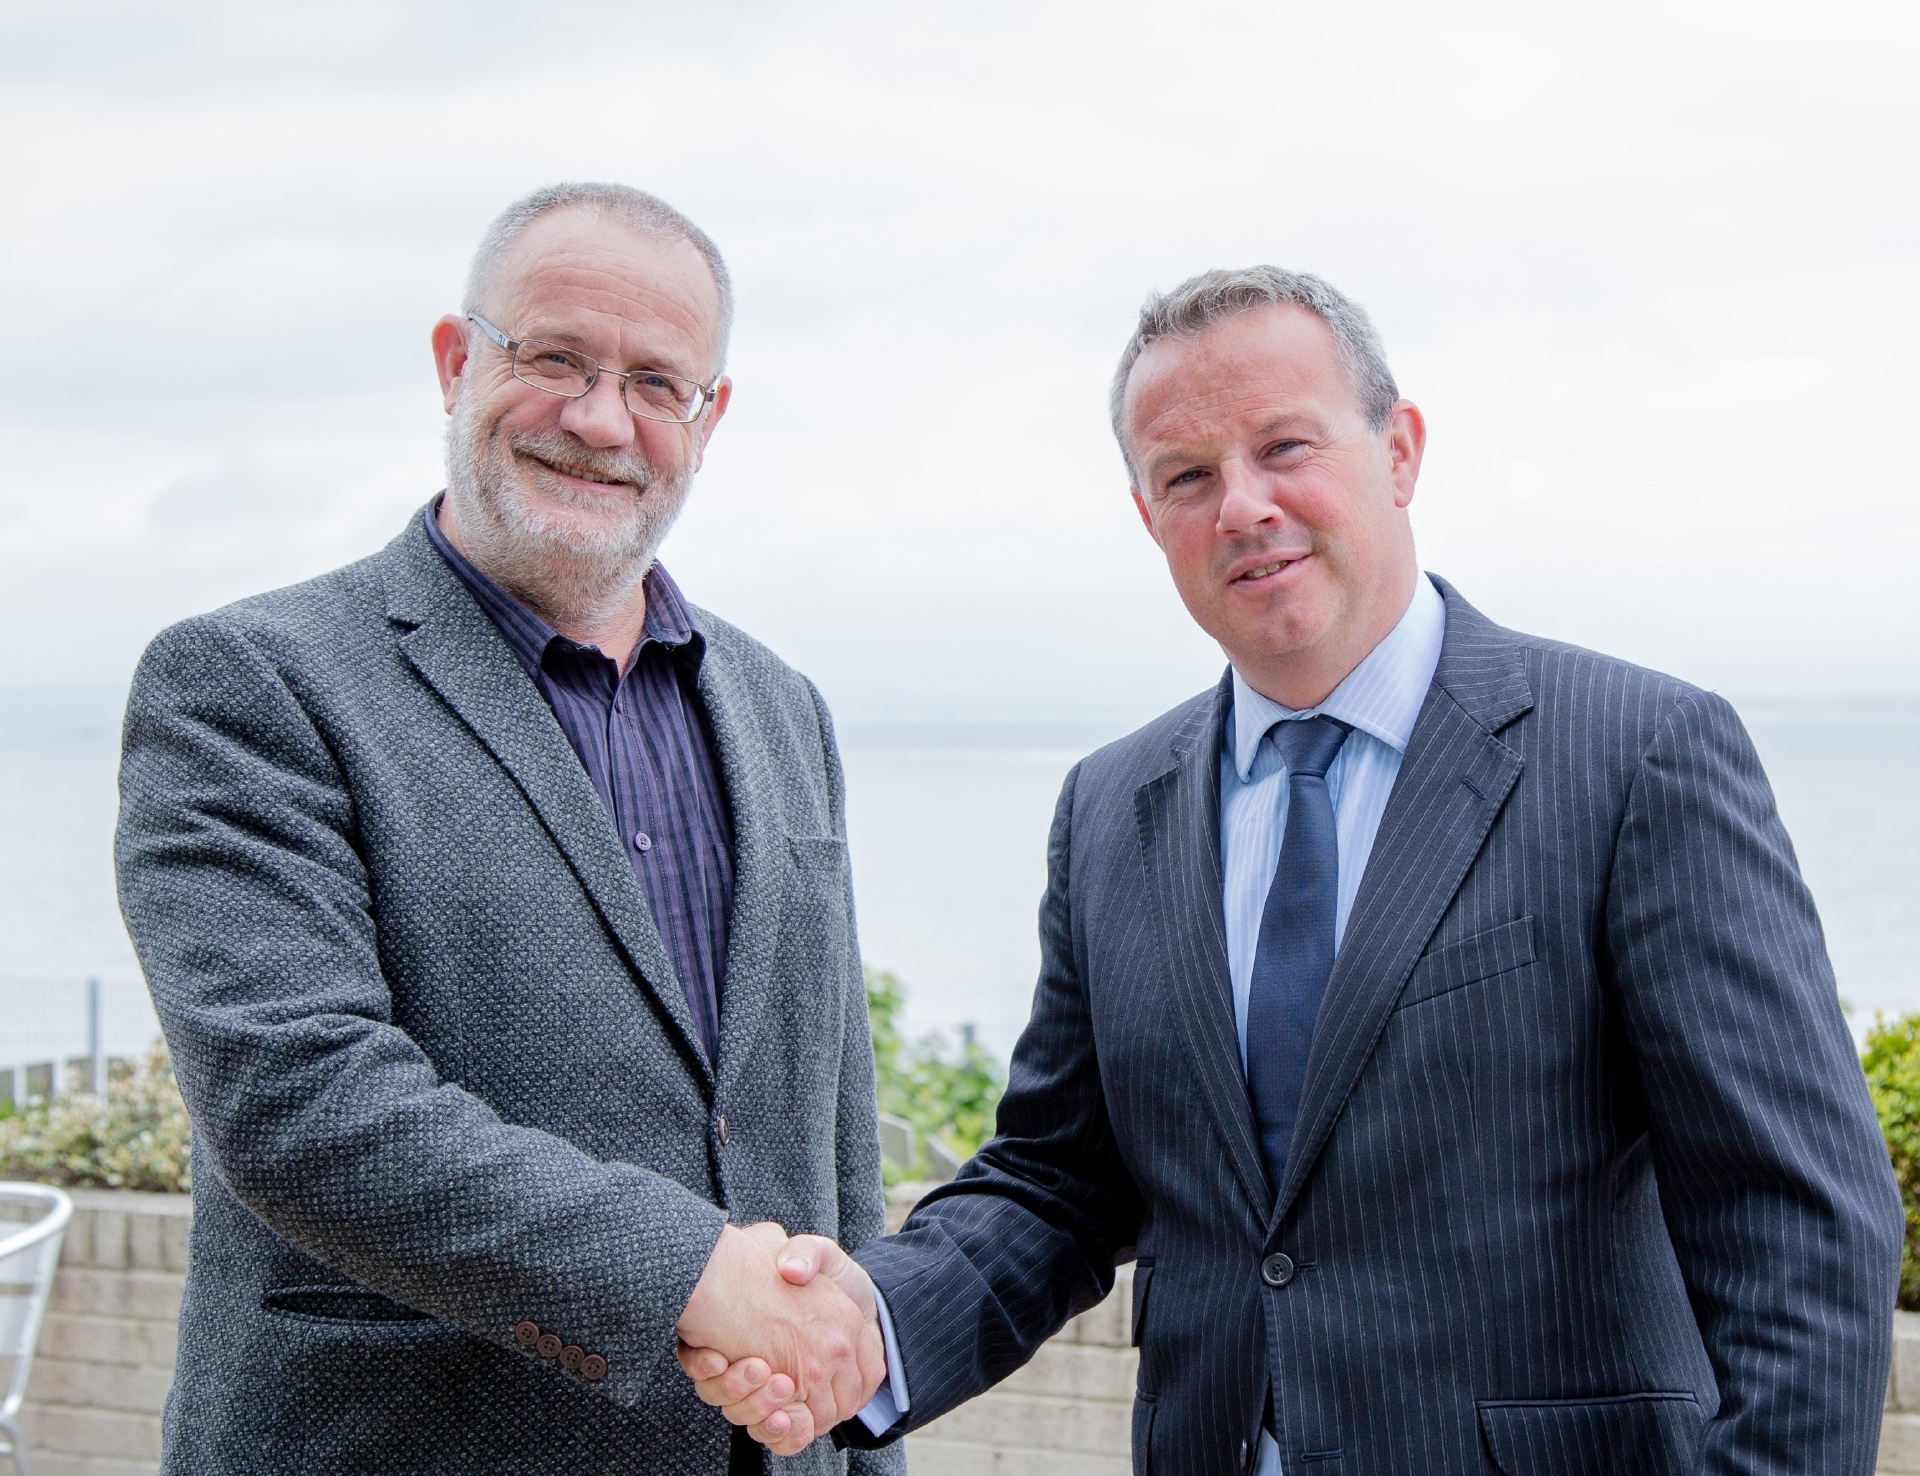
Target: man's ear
x,y
1406,444
722,397
1146,518
450,356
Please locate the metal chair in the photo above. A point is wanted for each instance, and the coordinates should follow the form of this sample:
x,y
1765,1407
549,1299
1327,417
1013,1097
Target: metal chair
x,y
27,1261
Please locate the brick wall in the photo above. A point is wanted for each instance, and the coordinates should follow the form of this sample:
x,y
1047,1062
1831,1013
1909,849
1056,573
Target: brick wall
x,y
106,1356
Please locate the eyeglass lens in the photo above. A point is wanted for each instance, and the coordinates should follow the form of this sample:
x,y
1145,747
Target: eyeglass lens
x,y
561,371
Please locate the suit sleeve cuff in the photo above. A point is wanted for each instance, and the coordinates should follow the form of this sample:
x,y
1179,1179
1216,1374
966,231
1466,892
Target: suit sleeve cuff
x,y
890,1401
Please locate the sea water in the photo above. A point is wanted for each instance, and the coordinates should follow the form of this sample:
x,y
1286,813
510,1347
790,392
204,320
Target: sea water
x,y
948,823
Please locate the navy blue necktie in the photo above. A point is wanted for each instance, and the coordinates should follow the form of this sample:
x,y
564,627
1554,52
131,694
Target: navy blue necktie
x,y
1295,953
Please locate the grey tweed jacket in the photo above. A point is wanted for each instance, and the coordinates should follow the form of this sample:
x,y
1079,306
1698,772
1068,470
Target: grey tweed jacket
x,y
1585,1180
446,1091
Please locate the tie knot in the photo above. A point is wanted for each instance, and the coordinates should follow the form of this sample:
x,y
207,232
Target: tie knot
x,y
1308,745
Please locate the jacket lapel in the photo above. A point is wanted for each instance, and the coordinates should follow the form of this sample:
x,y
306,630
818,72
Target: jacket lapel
x,y
1179,819
460,653
759,866
1454,779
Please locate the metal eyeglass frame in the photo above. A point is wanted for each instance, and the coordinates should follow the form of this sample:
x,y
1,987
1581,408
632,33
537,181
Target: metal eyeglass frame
x,y
706,392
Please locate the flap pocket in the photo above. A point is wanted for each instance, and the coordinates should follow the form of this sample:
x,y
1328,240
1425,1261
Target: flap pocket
x,y
1627,1435
1496,951
820,855
1142,1284
344,1304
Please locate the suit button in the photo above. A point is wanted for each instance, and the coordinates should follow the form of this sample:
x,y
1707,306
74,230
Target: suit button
x,y
527,1333
1246,1454
1277,1269
720,1129
593,1368
572,1356
548,1346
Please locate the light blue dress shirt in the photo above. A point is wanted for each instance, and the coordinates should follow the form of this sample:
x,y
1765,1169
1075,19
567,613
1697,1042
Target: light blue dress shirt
x,y
1380,699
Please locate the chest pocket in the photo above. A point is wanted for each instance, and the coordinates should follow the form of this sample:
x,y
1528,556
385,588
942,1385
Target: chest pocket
x,y
1483,956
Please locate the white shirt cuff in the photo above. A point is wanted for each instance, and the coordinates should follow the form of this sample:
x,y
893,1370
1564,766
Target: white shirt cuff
x,y
890,1400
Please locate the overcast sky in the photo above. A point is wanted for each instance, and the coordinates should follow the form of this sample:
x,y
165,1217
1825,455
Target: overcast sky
x,y
1650,270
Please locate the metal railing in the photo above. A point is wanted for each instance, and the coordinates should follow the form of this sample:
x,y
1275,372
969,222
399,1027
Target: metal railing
x,y
60,1033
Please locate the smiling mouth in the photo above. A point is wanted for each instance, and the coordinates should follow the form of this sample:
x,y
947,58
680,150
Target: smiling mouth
x,y
577,473
1266,570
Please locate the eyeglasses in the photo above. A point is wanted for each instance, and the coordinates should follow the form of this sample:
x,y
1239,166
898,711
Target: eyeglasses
x,y
649,393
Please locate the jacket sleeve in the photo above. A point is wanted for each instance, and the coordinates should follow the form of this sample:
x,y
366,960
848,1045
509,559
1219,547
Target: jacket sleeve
x,y
254,920
1775,1183
993,1264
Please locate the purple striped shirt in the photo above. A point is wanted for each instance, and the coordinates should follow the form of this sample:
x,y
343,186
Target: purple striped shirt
x,y
645,742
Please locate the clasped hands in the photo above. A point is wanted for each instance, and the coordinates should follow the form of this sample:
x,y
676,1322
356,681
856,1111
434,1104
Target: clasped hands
x,y
782,1335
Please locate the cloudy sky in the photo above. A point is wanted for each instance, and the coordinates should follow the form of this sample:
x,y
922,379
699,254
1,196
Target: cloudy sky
x,y
1650,269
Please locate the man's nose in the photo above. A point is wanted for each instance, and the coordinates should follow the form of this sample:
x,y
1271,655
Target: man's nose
x,y
1245,499
600,417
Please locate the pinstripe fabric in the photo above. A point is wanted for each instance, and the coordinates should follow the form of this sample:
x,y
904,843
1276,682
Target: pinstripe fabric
x,y
642,738
442,1077
1585,1178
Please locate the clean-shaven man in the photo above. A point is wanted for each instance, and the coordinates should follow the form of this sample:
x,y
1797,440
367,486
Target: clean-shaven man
x,y
1435,1014
495,902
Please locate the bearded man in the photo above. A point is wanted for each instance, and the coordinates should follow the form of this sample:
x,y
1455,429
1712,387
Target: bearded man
x,y
495,902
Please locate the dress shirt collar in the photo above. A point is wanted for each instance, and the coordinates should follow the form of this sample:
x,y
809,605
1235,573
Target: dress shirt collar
x,y
1381,696
669,617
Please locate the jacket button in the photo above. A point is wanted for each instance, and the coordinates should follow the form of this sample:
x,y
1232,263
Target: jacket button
x,y
572,1356
593,1368
527,1333
548,1346
1246,1454
720,1129
1277,1269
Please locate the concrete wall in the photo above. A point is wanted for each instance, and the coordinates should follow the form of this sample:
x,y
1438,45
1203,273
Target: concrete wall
x,y
1900,1426
1068,1413
106,1356
106,1347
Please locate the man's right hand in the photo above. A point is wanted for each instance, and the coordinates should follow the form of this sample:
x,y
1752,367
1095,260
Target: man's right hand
x,y
779,1350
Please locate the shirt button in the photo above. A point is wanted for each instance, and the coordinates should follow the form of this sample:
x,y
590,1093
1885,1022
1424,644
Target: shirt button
x,y
642,842
1277,1269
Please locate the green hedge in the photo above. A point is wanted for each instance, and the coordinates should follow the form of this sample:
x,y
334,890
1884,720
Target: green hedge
x,y
1892,1063
947,1094
135,1137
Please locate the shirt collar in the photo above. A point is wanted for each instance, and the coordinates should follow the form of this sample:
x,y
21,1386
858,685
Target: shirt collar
x,y
669,617
1381,696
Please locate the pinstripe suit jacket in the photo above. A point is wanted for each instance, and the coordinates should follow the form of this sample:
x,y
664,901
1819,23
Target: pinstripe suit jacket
x,y
1585,1177
444,1080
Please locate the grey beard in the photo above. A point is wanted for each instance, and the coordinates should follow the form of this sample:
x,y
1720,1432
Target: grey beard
x,y
570,579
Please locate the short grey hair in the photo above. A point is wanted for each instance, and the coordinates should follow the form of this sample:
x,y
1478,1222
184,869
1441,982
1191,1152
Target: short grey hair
x,y
1198,303
623,204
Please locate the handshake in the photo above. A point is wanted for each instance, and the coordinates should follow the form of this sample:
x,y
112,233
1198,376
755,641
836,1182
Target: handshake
x,y
782,1335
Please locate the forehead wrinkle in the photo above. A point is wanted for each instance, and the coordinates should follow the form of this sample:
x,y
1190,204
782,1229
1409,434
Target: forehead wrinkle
x,y
635,312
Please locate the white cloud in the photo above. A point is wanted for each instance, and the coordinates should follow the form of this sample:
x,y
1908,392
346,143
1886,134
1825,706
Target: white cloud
x,y
1646,268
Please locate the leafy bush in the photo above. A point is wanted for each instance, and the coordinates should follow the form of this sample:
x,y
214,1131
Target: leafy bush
x,y
135,1137
1892,1063
945,1094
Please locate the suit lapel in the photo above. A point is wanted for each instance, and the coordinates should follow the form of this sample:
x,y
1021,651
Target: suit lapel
x,y
1454,779
1179,819
460,653
759,874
